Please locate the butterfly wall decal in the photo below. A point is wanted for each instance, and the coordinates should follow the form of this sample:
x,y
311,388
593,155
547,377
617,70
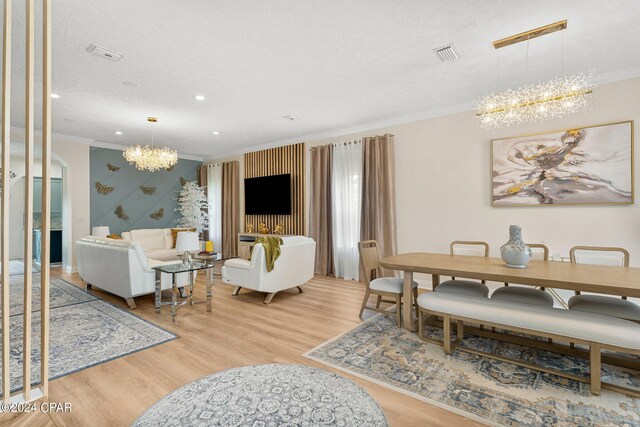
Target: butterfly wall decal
x,y
120,213
157,214
113,168
103,189
147,190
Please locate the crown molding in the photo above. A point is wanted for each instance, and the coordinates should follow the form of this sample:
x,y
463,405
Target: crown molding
x,y
361,127
605,78
17,131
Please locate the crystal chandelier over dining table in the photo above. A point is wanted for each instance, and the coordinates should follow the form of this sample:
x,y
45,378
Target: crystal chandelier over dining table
x,y
151,158
554,98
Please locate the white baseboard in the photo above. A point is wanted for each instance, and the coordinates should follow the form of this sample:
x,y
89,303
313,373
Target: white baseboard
x,y
69,269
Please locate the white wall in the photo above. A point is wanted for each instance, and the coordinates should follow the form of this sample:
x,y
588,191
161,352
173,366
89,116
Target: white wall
x,y
443,184
73,158
75,193
16,196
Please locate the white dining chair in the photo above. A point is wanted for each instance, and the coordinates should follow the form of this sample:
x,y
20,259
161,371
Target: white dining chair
x,y
527,294
603,304
377,284
466,287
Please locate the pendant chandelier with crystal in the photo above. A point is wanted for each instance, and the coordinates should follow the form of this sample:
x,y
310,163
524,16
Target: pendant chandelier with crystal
x,y
151,158
555,98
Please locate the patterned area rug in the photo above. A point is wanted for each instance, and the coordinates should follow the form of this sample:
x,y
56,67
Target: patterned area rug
x,y
16,267
84,331
480,388
61,294
266,395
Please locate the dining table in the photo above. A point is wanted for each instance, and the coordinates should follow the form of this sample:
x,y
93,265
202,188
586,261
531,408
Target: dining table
x,y
610,280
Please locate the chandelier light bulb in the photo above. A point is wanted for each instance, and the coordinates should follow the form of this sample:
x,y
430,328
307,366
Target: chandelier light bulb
x,y
558,97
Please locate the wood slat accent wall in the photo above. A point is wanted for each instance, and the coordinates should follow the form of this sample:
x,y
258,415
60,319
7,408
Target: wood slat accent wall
x,y
289,159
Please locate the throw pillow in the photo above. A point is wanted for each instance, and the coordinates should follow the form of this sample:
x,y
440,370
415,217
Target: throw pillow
x,y
174,234
114,236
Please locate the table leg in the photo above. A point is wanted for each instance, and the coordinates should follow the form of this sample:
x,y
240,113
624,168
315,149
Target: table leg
x,y
209,286
408,313
158,291
174,297
435,281
191,287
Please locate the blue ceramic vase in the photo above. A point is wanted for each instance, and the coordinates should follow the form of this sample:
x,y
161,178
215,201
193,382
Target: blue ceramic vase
x,y
515,253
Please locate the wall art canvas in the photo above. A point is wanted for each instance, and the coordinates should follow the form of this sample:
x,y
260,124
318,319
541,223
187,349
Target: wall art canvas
x,y
589,165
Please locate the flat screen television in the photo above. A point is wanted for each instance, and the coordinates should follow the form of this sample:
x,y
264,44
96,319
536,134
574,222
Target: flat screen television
x,y
268,195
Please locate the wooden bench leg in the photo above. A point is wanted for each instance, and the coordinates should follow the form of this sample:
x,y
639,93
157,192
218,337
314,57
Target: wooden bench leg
x,y
459,330
595,367
446,334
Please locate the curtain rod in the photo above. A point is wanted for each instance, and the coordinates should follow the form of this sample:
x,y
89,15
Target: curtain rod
x,y
350,142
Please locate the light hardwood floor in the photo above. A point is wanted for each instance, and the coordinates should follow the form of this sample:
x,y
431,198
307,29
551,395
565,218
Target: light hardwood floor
x,y
240,331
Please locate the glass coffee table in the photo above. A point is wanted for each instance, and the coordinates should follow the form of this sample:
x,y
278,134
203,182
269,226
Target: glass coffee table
x,y
201,262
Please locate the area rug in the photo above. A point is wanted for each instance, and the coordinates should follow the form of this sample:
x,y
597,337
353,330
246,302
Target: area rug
x,y
84,331
267,395
486,390
61,294
16,267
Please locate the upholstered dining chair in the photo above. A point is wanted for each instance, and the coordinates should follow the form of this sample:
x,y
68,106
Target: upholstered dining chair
x,y
602,304
466,287
527,294
377,284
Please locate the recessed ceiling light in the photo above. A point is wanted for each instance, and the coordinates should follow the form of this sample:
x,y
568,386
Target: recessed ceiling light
x,y
129,84
200,97
291,117
55,96
118,132
215,132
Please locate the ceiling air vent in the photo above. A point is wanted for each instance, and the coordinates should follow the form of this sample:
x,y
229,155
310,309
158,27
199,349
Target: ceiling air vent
x,y
104,52
446,53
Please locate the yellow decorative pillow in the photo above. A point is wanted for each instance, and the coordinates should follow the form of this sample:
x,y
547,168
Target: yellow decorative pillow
x,y
114,236
174,234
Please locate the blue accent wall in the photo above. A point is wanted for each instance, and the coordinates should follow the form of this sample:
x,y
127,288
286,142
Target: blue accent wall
x,y
126,192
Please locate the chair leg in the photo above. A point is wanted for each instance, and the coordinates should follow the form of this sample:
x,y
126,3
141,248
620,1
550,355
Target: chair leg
x,y
398,309
378,301
300,290
364,302
420,324
415,299
269,297
131,303
88,287
236,291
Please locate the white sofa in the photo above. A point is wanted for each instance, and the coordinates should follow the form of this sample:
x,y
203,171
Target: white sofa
x,y
293,268
121,268
157,243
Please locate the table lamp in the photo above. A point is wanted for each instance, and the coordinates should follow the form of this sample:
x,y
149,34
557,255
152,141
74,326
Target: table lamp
x,y
186,242
100,231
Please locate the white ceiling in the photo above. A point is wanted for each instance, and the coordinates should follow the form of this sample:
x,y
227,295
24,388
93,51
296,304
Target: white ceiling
x,y
335,64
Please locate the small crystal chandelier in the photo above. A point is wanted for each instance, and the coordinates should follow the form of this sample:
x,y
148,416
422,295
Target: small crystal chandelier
x,y
149,157
555,98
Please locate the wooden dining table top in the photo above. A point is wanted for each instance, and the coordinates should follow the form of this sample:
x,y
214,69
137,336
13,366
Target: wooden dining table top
x,y
622,281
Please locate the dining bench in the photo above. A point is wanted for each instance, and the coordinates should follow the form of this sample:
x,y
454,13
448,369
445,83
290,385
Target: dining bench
x,y
598,332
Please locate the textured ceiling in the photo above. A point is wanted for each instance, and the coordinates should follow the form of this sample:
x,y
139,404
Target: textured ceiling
x,y
335,64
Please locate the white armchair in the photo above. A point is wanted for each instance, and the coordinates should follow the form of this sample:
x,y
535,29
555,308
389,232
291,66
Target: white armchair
x,y
121,268
293,268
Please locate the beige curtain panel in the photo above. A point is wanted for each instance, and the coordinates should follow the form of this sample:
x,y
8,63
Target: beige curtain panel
x,y
320,206
230,207
378,194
